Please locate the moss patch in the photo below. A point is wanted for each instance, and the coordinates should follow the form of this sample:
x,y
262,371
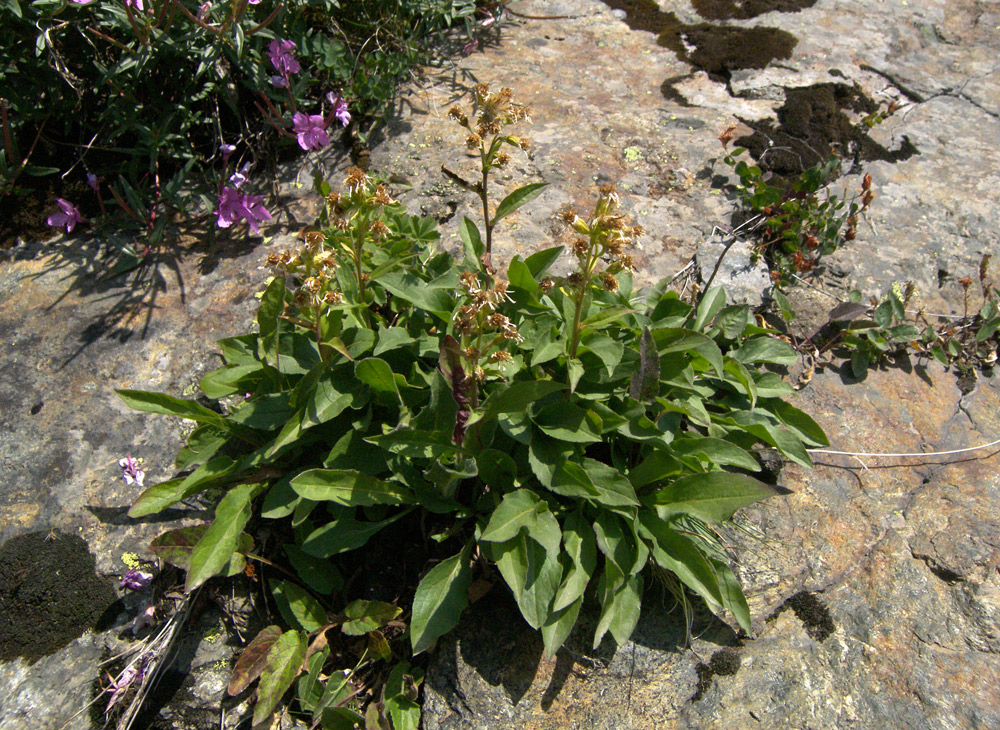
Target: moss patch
x,y
49,594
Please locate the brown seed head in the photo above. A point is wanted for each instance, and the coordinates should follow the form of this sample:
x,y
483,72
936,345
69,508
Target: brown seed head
x,y
609,282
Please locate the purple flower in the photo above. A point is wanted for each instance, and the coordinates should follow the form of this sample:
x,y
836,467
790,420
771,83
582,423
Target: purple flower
x,y
204,10
227,151
135,579
68,215
92,181
146,617
131,472
235,206
279,82
282,55
311,131
339,111
137,4
134,673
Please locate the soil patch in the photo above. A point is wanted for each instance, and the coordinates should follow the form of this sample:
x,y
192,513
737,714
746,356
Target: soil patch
x,y
49,594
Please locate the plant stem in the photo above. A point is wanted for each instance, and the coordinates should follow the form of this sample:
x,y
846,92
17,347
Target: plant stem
x,y
486,207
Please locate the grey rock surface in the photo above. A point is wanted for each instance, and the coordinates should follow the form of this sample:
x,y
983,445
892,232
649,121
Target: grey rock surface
x,y
746,281
888,575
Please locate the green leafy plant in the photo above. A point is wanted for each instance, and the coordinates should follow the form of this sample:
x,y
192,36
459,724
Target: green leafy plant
x,y
800,221
138,98
567,434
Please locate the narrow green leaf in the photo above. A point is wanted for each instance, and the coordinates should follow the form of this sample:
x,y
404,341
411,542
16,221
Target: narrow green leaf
x,y
166,405
712,497
349,488
604,317
715,451
440,599
516,199
594,481
580,550
377,375
283,664
175,547
272,304
558,626
221,540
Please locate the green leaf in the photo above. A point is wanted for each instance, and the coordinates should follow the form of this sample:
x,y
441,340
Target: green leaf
x,y
540,261
264,412
766,349
400,696
365,616
533,574
320,575
392,338
558,626
175,547
596,482
523,510
166,405
566,422
515,398
608,351
414,444
580,548
712,497
731,593
798,421
644,385
471,240
272,304
519,276
377,375
297,607
253,659
283,664
343,534
619,611
516,199
440,599
604,317
711,304
349,488
229,380
201,446
715,451
325,404
221,540
164,494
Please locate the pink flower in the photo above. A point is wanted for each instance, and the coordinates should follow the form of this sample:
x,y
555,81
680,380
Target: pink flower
x,y
235,206
311,131
204,10
339,111
137,4
131,472
282,55
279,82
68,215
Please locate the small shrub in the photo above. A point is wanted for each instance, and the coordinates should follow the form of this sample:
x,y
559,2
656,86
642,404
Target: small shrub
x,y
567,433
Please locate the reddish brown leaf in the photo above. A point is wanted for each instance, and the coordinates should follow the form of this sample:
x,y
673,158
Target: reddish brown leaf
x,y
253,660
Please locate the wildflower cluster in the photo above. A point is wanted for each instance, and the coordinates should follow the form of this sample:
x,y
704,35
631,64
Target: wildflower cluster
x,y
314,267
494,111
484,331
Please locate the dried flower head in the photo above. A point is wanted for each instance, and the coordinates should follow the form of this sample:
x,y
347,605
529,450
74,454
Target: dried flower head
x,y
356,179
609,282
381,196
